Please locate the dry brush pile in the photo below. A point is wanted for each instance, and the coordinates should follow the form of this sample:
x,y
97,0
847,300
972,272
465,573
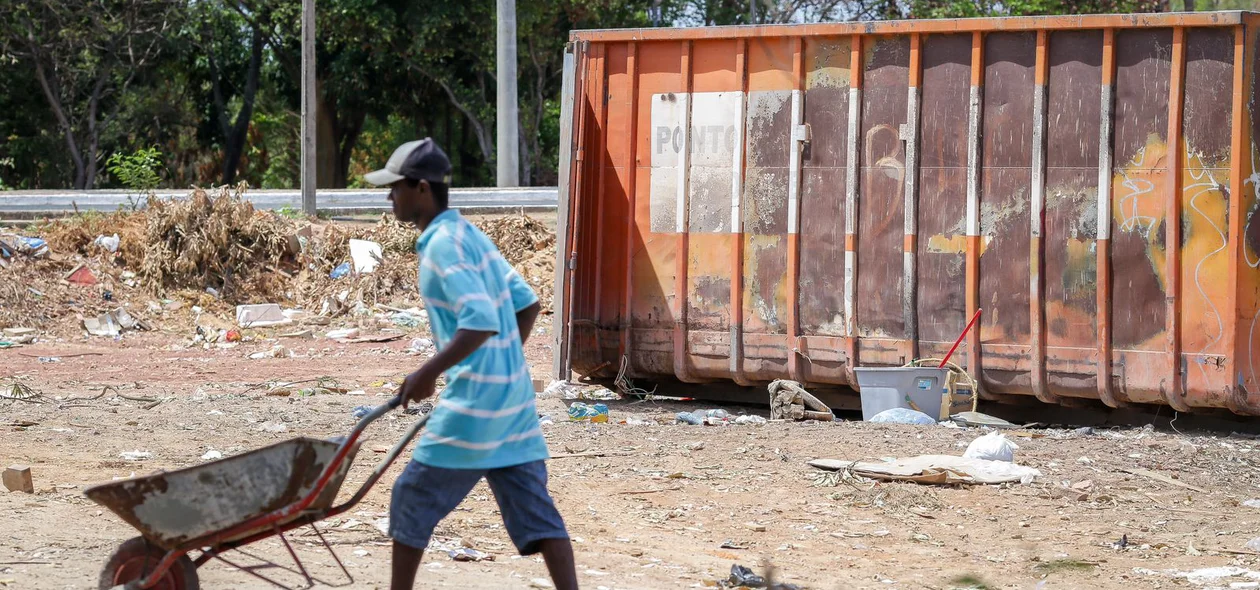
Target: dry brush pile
x,y
215,250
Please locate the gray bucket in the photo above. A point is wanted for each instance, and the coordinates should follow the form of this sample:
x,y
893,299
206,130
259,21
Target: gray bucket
x,y
885,388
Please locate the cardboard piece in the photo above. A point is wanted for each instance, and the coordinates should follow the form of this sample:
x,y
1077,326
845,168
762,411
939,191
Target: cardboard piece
x,y
934,469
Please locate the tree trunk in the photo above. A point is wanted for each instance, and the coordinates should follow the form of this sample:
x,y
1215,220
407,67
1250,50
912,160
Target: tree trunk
x,y
325,142
234,147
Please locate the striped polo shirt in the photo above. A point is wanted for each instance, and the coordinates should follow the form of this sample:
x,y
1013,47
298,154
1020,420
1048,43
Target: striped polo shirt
x,y
485,418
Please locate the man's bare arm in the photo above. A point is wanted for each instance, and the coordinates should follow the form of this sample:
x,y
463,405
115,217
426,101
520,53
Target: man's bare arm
x,y
525,319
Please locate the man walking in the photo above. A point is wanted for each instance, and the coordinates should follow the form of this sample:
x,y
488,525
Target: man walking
x,y
485,424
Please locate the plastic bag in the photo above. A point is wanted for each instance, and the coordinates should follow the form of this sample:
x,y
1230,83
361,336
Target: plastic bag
x,y
992,447
583,412
903,416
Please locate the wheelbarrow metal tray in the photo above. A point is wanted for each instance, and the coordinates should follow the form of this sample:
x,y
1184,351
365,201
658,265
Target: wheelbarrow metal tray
x,y
173,508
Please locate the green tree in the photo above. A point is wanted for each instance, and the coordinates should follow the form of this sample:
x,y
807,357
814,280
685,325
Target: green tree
x,y
85,56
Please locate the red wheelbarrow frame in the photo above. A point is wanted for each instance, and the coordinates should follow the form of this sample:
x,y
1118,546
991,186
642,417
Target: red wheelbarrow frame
x,y
215,543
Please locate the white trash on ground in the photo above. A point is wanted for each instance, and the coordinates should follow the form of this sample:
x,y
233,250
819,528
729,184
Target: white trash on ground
x,y
366,255
991,447
903,416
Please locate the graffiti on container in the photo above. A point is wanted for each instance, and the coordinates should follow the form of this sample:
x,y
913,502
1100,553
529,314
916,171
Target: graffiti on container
x,y
1140,209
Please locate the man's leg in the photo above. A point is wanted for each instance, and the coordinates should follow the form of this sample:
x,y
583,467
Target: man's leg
x,y
406,561
422,497
558,554
531,519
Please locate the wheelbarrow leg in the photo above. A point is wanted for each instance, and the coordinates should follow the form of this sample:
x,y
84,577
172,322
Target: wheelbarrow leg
x,y
332,553
309,582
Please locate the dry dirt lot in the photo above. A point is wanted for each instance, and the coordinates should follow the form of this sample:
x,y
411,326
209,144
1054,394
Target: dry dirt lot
x,y
655,511
650,504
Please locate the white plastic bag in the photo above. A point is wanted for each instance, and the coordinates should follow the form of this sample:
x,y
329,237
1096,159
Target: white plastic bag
x,y
992,447
903,416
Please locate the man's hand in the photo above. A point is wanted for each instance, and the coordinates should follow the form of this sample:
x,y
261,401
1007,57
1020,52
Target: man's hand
x,y
423,382
420,384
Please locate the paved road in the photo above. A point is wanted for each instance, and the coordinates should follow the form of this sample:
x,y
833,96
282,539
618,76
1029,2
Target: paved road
x,y
339,200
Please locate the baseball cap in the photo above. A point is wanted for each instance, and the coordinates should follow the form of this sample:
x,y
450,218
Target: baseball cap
x,y
417,160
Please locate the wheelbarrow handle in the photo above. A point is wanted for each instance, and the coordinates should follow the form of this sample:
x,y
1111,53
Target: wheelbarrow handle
x,y
383,466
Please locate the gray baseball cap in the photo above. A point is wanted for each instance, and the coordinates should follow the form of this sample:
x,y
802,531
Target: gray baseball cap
x,y
417,160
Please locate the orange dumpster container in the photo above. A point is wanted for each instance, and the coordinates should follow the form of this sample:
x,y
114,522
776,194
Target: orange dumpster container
x,y
743,204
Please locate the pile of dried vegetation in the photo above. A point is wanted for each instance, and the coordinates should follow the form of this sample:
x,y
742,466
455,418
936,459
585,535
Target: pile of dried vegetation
x,y
214,250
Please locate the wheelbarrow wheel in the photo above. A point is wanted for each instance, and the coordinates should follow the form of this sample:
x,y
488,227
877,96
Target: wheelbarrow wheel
x,y
136,558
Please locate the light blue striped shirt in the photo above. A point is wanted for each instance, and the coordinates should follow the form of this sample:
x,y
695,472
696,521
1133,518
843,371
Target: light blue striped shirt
x,y
485,418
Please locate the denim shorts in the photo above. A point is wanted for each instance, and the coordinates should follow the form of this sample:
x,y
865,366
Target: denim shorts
x,y
424,495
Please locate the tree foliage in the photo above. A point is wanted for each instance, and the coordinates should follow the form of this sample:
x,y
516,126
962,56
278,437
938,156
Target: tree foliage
x,y
213,85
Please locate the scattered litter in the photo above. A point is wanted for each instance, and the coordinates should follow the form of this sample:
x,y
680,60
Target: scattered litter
x,y
344,334
17,478
274,427
716,417
1147,473
560,390
49,359
11,244
934,469
342,270
1209,575
790,401
1253,503
361,553
583,412
541,583
1253,544
1084,431
260,316
419,345
695,446
755,527
360,411
992,447
276,352
751,419
135,455
405,320
743,577
298,334
232,335
903,416
382,525
469,554
109,243
19,332
979,419
212,455
366,255
113,323
356,392
81,275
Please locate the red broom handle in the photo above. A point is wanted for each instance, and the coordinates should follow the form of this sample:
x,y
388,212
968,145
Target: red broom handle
x,y
960,339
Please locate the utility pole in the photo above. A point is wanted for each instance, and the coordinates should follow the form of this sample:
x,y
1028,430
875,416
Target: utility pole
x,y
507,118
308,107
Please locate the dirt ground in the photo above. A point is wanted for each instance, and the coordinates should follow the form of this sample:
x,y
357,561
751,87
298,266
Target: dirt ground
x,y
649,504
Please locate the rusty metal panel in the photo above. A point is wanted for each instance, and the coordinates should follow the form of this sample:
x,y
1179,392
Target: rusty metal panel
x,y
826,111
1006,159
1143,72
1246,223
943,187
768,126
881,214
1204,204
1149,293
659,80
1071,228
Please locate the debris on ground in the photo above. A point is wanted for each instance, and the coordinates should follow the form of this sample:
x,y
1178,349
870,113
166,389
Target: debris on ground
x,y
17,478
583,412
980,419
113,323
903,416
212,455
992,447
469,554
366,255
81,275
135,455
108,243
790,401
263,315
935,469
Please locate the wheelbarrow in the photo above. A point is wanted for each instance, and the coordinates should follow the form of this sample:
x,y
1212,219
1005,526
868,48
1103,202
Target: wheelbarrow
x,y
227,504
